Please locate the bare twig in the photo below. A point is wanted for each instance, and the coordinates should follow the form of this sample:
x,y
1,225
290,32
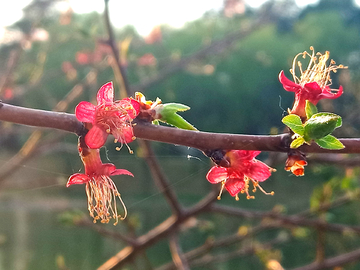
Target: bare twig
x,y
84,222
333,262
161,231
177,254
159,178
276,219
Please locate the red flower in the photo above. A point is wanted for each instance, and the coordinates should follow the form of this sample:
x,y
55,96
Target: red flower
x,y
314,82
100,189
243,168
108,117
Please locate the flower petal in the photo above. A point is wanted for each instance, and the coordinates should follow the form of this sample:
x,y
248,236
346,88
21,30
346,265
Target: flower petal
x,y
124,134
105,93
217,174
288,84
122,171
77,179
85,112
96,137
258,171
131,106
328,94
234,185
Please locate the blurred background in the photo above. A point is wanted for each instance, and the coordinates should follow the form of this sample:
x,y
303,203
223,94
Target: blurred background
x,y
53,54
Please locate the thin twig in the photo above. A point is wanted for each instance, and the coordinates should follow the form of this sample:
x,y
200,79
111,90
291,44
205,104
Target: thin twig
x,y
160,179
176,253
276,219
161,231
333,262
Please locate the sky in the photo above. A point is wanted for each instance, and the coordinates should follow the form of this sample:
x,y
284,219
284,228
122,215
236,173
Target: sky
x,y
143,14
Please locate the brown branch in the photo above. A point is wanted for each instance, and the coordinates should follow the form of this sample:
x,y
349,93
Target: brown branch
x,y
153,236
40,118
84,222
333,262
211,259
159,178
176,253
210,244
276,219
196,139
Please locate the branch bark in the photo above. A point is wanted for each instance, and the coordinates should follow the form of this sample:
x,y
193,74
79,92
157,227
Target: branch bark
x,y
196,139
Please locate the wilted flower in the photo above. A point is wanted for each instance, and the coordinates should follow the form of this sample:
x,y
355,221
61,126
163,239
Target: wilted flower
x,y
295,162
148,108
107,117
100,189
241,169
314,82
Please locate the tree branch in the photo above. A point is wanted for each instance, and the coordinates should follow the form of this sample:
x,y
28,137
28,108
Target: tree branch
x,y
275,218
196,139
334,261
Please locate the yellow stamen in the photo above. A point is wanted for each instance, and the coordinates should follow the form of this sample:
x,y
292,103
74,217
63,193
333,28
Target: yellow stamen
x,y
221,190
317,69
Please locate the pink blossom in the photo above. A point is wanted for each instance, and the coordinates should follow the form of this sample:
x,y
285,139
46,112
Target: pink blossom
x,y
108,116
243,168
100,189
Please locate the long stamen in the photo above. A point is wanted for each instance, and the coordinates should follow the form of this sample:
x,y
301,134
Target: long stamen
x,y
222,189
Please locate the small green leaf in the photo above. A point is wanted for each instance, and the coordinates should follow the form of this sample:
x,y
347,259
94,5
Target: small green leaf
x,y
310,109
297,142
339,122
175,107
330,142
293,121
168,114
321,124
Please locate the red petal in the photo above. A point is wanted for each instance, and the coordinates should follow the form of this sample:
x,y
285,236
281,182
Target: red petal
x,y
234,185
85,112
77,179
105,93
258,171
134,108
217,174
327,93
122,171
96,137
124,135
288,84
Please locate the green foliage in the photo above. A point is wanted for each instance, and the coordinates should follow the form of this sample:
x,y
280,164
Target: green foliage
x,y
168,113
310,109
318,128
294,122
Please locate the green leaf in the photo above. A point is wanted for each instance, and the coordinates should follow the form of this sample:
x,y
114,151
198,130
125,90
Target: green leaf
x,y
168,114
297,142
321,124
293,121
310,109
174,107
330,142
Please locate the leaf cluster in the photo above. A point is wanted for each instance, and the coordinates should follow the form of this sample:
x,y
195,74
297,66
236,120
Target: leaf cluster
x,y
317,128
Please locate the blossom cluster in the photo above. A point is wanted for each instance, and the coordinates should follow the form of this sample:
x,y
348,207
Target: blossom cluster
x,y
234,169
